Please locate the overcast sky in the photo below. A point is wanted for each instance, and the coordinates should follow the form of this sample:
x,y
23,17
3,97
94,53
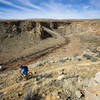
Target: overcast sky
x,y
56,9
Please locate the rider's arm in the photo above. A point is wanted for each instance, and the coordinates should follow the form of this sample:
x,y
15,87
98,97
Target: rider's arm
x,y
21,70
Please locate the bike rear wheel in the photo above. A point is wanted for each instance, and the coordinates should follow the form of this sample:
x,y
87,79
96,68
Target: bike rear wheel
x,y
19,79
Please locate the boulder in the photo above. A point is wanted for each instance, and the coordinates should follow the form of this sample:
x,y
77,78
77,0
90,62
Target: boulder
x,y
97,77
2,68
61,77
78,94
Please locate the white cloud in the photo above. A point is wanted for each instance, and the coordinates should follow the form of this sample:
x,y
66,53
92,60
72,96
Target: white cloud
x,y
13,5
28,3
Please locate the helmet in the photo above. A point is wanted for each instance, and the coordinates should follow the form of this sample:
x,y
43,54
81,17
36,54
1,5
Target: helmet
x,y
19,65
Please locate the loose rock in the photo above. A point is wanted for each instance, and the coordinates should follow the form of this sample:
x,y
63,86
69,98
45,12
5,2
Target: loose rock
x,y
97,77
61,77
78,94
1,68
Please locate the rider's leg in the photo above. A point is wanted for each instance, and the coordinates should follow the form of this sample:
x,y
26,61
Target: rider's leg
x,y
26,75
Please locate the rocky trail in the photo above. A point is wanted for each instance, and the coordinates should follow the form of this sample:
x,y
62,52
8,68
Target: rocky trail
x,y
54,79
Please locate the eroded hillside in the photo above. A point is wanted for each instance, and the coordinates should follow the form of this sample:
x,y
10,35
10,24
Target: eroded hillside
x,y
23,38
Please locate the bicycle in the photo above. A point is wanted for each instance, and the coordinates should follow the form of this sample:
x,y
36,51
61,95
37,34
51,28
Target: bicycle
x,y
28,76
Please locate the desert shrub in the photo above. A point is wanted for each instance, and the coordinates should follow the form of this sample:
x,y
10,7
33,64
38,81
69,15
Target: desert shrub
x,y
32,95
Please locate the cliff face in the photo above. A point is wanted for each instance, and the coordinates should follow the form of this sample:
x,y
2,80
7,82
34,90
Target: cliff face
x,y
21,37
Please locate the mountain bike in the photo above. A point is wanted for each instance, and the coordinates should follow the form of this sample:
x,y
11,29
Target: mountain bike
x,y
28,76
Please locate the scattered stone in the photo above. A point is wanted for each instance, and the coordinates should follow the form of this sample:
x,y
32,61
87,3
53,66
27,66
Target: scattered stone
x,y
23,84
79,58
94,50
69,98
61,72
55,83
20,94
59,92
61,60
35,72
94,59
39,63
52,61
97,77
5,92
88,57
69,59
45,75
2,68
65,58
43,95
61,77
78,94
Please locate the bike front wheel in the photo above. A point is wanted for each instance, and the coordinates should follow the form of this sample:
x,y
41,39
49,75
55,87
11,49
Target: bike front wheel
x,y
30,75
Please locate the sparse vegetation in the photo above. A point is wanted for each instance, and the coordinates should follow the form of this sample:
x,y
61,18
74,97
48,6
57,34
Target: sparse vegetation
x,y
31,95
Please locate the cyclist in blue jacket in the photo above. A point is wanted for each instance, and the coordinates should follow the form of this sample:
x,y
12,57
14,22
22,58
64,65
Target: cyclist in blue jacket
x,y
24,69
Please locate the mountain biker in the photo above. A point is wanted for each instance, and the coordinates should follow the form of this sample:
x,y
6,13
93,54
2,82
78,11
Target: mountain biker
x,y
24,69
